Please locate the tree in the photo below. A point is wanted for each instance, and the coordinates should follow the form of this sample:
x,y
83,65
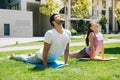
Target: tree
x,y
81,25
49,7
103,22
81,8
117,11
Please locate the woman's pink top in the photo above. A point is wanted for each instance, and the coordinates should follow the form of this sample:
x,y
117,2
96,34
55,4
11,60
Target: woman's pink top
x,y
98,43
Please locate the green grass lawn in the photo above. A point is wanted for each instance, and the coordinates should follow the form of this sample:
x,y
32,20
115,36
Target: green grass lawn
x,y
77,70
106,36
111,36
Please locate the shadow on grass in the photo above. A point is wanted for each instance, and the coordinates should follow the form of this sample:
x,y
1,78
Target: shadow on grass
x,y
36,69
115,50
79,60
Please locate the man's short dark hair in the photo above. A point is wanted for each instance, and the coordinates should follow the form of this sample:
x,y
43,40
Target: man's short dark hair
x,y
52,19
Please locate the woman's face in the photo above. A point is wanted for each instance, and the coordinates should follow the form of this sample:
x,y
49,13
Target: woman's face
x,y
94,26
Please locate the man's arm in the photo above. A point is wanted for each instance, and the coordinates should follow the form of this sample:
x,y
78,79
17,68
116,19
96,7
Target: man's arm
x,y
45,53
66,53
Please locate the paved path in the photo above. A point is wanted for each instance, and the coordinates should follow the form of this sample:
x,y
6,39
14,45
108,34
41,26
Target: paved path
x,y
15,40
8,41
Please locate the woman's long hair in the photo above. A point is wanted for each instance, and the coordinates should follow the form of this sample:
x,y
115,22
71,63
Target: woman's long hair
x,y
89,31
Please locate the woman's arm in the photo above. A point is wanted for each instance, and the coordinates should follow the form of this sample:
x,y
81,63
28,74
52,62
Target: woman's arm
x,y
91,40
99,58
102,51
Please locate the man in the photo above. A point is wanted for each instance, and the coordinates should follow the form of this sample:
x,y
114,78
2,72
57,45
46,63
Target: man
x,y
56,41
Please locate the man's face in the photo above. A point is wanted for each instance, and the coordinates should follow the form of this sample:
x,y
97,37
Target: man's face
x,y
59,19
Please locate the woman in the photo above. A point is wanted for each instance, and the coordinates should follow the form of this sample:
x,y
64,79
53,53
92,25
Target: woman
x,y
94,42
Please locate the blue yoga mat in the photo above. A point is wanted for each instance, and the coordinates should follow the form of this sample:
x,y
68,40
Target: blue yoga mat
x,y
56,64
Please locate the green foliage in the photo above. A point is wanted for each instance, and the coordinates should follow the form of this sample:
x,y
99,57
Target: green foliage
x,y
62,11
117,11
103,21
81,25
80,9
51,6
81,22
73,31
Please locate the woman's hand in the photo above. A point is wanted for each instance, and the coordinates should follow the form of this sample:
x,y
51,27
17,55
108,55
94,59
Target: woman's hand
x,y
97,58
102,57
92,56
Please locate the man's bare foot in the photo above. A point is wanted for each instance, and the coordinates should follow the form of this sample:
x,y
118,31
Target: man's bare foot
x,y
12,56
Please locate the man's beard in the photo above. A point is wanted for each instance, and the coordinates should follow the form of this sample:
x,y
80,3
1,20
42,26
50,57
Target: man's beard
x,y
61,21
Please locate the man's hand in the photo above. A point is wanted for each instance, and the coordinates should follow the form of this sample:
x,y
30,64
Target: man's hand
x,y
66,64
66,53
45,64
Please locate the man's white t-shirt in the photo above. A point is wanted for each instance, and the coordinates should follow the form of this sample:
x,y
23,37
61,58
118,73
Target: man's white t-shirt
x,y
58,44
